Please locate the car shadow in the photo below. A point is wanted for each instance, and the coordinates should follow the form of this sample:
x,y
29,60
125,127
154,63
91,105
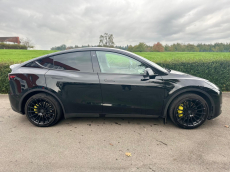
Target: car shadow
x,y
106,121
115,121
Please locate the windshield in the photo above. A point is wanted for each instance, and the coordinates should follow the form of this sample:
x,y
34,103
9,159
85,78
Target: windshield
x,y
153,64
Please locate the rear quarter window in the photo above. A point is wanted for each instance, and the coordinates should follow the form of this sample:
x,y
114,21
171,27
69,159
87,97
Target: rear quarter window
x,y
46,62
32,64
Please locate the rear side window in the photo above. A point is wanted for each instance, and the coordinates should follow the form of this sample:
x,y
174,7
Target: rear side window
x,y
78,61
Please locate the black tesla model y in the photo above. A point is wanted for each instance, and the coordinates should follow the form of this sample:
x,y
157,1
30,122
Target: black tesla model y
x,y
94,82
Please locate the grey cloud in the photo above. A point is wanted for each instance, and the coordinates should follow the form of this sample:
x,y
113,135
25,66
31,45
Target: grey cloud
x,y
78,22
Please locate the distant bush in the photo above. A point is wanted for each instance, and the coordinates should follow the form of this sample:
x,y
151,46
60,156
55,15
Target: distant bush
x,y
179,47
12,46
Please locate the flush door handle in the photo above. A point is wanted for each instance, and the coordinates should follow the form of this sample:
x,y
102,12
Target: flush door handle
x,y
109,80
53,77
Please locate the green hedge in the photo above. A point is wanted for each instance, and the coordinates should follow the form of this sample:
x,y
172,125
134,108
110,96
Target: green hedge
x,y
216,71
12,46
4,81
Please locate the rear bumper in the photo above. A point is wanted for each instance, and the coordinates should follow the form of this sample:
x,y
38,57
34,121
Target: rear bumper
x,y
14,102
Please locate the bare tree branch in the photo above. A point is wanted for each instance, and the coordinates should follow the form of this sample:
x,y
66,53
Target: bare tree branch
x,y
106,40
27,42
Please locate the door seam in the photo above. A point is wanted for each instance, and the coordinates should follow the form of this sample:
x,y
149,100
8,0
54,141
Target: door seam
x,y
102,101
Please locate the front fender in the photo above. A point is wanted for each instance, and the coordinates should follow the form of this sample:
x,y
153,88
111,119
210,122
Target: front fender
x,y
203,91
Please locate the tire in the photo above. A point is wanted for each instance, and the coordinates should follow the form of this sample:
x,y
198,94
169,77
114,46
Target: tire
x,y
43,110
189,111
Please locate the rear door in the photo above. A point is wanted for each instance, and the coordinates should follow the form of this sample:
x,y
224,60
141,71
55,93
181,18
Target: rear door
x,y
73,79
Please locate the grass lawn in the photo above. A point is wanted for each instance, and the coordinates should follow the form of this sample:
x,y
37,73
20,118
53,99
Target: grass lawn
x,y
18,56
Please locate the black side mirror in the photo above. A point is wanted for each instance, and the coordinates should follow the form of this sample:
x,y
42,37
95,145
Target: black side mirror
x,y
149,72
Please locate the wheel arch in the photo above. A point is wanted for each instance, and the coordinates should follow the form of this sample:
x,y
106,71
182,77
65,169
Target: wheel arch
x,y
199,92
33,92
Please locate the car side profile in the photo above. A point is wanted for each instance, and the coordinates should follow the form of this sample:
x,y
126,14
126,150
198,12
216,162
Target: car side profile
x,y
107,82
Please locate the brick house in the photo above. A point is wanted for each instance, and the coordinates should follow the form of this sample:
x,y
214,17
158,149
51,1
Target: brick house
x,y
14,40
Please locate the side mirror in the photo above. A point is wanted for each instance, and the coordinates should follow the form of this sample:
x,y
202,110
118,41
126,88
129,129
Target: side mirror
x,y
149,72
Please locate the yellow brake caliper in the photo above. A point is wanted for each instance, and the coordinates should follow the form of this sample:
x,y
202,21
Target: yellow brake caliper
x,y
180,110
35,108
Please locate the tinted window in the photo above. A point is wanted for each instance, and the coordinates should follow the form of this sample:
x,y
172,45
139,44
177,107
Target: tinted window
x,y
46,62
78,61
118,63
32,64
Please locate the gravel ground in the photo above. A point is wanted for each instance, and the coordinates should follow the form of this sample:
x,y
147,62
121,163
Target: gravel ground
x,y
100,144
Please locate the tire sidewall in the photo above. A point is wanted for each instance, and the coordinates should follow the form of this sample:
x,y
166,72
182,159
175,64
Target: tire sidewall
x,y
52,101
173,107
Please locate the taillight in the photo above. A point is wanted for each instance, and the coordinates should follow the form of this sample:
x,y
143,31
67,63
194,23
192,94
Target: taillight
x,y
11,77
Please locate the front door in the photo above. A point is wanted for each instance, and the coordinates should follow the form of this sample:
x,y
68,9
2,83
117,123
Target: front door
x,y
124,89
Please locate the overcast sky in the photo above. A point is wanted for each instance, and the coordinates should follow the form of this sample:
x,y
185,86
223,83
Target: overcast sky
x,y
80,22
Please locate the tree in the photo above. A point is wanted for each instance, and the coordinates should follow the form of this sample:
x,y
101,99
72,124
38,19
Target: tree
x,y
130,48
141,47
106,40
158,47
167,47
61,47
69,47
27,42
192,48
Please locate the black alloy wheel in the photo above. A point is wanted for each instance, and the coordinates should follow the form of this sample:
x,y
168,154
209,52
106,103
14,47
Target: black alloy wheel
x,y
43,110
189,111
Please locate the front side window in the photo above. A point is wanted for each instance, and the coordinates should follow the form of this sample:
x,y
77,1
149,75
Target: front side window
x,y
117,63
78,61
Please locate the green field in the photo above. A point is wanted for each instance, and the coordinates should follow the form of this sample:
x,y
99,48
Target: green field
x,y
17,56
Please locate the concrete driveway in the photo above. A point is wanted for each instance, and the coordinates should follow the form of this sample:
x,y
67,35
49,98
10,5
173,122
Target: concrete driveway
x,y
100,144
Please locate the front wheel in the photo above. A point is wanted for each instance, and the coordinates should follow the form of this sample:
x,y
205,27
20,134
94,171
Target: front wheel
x,y
189,111
43,110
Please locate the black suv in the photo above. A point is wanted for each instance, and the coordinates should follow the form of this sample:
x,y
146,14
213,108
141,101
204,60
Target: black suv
x,y
108,82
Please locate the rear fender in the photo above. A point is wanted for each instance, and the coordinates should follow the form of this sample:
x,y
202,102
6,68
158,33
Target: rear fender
x,y
36,91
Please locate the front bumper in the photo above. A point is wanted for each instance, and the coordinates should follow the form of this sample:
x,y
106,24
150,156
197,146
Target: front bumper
x,y
217,106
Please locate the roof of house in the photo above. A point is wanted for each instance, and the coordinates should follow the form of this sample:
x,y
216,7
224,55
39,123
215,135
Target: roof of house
x,y
10,39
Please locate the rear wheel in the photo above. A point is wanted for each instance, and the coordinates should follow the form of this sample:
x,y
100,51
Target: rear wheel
x,y
43,110
189,111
